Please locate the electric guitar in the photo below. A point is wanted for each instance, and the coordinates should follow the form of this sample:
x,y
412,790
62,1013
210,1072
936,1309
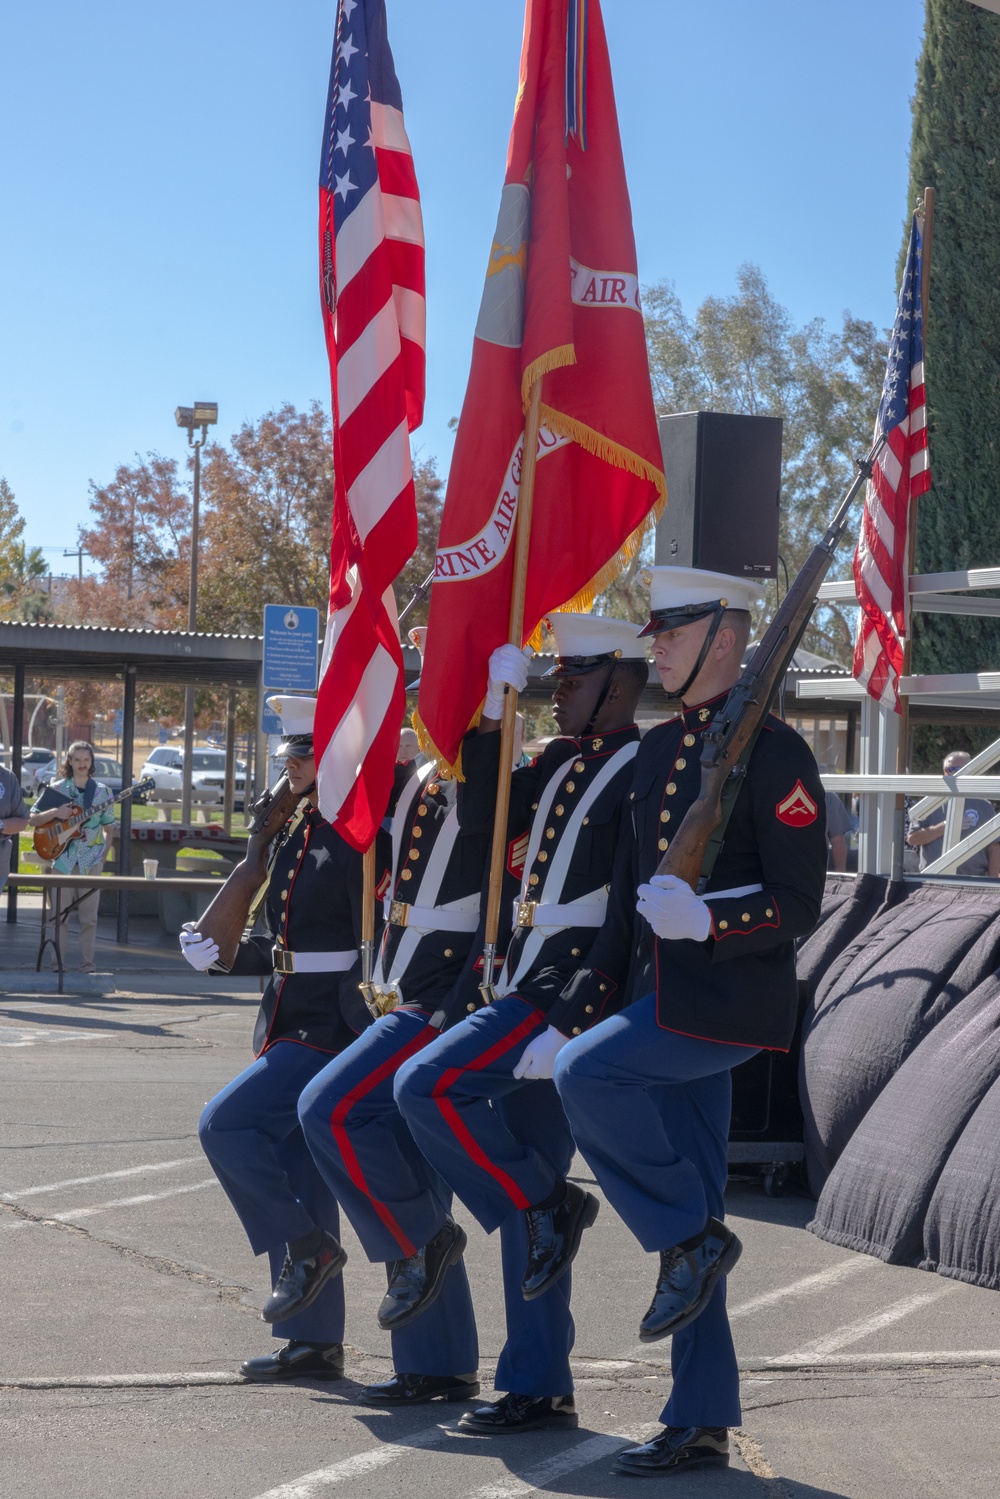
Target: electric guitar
x,y
53,838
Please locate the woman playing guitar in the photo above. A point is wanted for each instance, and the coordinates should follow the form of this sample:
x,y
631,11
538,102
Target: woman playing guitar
x,y
86,851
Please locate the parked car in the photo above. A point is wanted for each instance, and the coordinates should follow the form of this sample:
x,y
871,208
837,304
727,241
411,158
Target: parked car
x,y
108,772
208,768
33,759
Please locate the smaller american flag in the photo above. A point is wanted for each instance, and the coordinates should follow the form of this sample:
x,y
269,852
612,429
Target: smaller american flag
x,y
372,275
901,473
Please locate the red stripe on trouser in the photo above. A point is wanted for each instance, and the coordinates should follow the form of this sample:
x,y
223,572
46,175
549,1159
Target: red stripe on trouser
x,y
450,1114
351,1161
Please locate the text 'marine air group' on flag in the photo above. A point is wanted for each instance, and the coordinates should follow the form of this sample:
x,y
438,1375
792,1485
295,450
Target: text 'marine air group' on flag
x,y
560,303
372,274
901,473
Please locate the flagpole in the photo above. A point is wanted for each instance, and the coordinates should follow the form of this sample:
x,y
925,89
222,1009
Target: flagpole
x,y
515,633
903,746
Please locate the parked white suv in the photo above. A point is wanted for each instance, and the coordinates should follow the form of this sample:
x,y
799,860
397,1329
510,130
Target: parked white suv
x,y
208,768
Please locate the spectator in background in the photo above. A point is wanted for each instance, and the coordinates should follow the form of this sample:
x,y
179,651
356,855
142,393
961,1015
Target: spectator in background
x,y
928,836
13,819
838,825
409,747
84,854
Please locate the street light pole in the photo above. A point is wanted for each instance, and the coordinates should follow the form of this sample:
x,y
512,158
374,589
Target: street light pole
x,y
202,414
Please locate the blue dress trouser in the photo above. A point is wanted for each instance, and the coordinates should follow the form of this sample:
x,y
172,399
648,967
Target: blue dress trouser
x,y
501,1145
393,1197
649,1109
250,1133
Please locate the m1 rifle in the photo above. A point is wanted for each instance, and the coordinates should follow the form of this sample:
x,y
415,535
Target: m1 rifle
x,y
730,738
226,918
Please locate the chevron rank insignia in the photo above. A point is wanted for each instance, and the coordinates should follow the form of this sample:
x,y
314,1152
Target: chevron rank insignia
x,y
797,809
517,852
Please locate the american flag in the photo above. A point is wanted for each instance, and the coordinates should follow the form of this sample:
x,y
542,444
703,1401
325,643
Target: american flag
x,y
372,275
901,473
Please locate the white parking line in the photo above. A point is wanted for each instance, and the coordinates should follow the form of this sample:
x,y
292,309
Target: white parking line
x,y
558,1466
129,1202
803,1287
17,1036
957,1358
105,1176
855,1332
312,1484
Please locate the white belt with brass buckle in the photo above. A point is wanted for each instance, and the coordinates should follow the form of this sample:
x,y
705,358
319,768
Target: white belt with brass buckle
x,y
528,913
432,918
312,962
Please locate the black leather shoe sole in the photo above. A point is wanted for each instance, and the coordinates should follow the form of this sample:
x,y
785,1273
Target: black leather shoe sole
x,y
291,1308
432,1290
686,1465
586,1220
727,1259
375,1395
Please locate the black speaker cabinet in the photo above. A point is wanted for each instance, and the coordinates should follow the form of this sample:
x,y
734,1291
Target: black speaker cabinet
x,y
723,485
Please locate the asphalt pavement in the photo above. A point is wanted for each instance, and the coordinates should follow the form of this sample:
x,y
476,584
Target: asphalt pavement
x,y
130,1298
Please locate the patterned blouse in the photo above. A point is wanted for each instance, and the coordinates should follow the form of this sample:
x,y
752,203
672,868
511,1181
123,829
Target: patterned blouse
x,y
86,852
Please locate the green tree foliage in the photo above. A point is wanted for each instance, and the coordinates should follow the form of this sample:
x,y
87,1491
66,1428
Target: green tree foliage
x,y
140,540
743,353
268,501
11,527
955,149
22,596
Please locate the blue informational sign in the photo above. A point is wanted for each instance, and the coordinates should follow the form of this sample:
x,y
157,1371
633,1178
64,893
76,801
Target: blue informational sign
x,y
118,721
291,648
163,735
270,723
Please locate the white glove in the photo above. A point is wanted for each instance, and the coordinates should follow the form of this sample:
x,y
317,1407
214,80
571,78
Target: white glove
x,y
538,1057
508,668
673,910
201,952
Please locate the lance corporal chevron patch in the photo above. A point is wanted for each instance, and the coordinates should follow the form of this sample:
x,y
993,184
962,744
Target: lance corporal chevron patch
x,y
797,809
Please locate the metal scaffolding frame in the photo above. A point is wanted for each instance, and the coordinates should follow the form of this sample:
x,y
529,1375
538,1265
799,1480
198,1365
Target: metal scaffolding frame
x,y
877,782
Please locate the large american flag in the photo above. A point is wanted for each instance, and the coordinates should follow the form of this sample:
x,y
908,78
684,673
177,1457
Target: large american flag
x,y
901,473
372,273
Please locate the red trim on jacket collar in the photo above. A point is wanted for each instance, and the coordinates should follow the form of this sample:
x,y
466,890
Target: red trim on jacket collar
x,y
698,716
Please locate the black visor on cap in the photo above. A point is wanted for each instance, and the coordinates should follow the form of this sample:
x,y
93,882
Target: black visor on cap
x,y
298,745
683,614
578,666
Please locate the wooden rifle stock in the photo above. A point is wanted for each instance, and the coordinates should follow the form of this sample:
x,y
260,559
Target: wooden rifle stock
x,y
732,734
226,918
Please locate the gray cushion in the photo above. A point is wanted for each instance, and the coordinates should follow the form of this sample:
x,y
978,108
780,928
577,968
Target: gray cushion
x,y
880,997
878,1193
962,1226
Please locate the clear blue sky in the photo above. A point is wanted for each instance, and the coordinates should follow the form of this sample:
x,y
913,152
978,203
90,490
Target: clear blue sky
x,y
158,180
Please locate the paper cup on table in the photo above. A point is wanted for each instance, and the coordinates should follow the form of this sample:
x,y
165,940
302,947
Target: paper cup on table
x,y
149,868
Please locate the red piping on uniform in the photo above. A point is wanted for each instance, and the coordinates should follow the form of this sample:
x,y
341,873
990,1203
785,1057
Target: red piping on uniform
x,y
284,925
343,1140
451,1117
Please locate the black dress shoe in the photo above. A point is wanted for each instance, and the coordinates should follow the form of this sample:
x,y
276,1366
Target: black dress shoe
x,y
554,1236
301,1281
675,1450
687,1279
418,1389
416,1282
522,1413
296,1361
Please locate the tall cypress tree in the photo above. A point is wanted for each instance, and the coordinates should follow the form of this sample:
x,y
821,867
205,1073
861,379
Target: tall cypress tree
x,y
955,149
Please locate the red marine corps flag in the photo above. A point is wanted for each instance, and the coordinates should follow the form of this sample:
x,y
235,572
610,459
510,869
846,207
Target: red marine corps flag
x,y
560,304
372,267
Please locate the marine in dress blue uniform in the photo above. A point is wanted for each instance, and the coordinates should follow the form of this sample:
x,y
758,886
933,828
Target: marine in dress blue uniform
x,y
398,1204
706,982
310,1010
501,1141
